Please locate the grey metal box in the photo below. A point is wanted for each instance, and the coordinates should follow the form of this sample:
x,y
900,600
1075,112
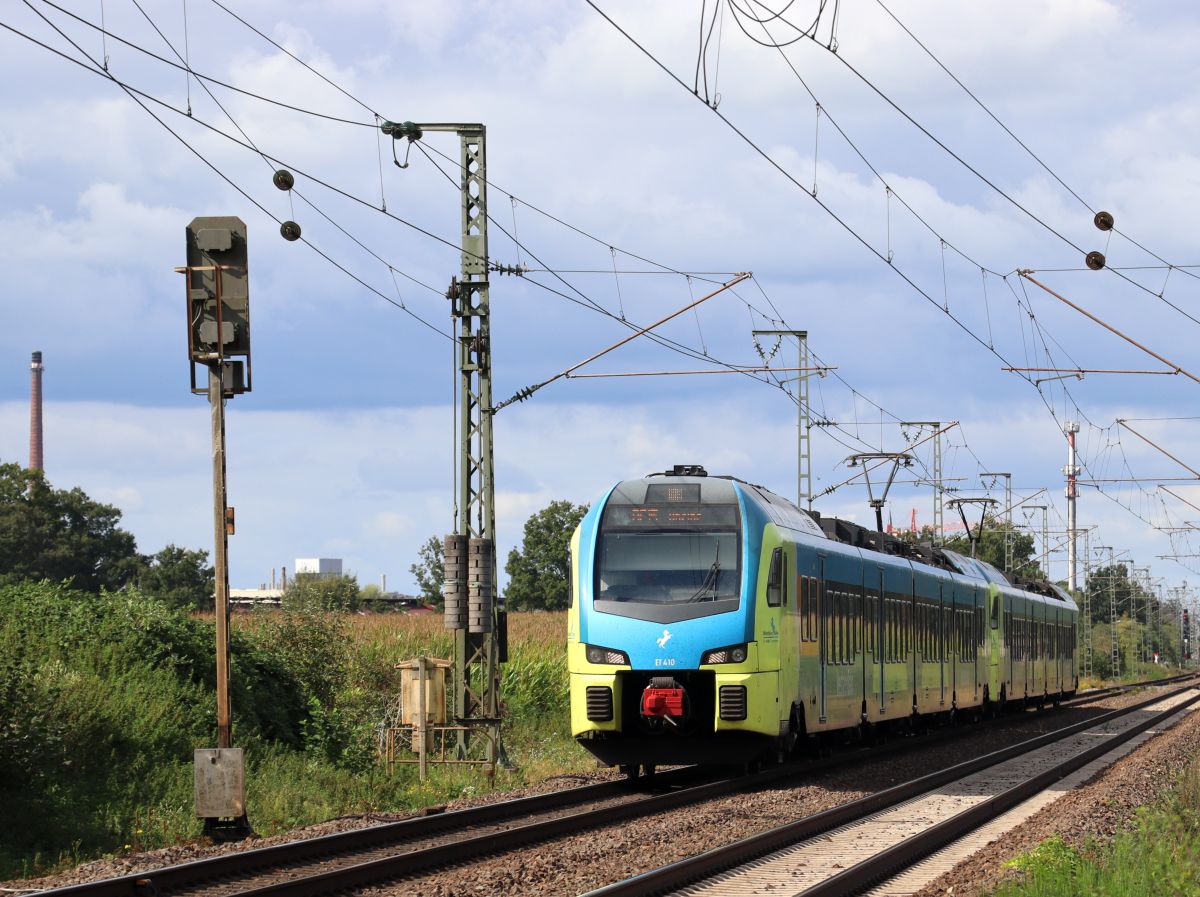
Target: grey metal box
x,y
220,783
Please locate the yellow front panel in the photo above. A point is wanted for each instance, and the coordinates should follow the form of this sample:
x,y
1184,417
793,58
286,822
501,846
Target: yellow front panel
x,y
579,685
762,703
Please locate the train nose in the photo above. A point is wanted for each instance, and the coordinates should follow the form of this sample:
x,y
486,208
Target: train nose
x,y
664,701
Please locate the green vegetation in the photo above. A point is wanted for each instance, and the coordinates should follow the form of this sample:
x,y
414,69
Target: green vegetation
x,y
104,697
990,547
1159,855
312,592
539,572
180,577
60,534
430,570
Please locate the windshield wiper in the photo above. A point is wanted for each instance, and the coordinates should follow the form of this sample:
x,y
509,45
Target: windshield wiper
x,y
710,578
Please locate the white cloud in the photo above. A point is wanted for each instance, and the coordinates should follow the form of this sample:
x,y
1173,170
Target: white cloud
x,y
312,484
582,124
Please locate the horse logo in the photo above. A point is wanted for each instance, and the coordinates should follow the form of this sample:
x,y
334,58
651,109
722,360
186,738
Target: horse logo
x,y
666,637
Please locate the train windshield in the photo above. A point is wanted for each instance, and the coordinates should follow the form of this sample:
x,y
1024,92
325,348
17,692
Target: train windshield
x,y
668,563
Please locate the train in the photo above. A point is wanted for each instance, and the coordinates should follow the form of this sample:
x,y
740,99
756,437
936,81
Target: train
x,y
712,621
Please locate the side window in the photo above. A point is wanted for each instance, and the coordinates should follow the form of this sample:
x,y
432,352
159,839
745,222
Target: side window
x,y
994,598
570,579
775,579
813,592
841,626
802,604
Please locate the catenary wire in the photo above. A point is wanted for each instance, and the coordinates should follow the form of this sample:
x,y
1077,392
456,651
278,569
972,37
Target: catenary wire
x,y
136,95
198,75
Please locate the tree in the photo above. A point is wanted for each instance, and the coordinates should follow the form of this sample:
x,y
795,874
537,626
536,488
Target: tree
x,y
1109,582
991,548
180,577
61,535
538,572
430,570
314,592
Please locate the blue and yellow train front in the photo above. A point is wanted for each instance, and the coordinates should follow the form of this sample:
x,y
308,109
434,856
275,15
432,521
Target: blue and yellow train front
x,y
666,666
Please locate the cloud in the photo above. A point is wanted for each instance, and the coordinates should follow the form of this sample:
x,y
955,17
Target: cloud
x,y
583,125
313,483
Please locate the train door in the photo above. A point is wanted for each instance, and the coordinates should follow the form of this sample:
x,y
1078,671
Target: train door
x,y
995,639
822,636
941,651
879,655
864,643
1056,686
978,625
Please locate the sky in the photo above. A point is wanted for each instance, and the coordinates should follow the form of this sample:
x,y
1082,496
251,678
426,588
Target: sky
x,y
884,177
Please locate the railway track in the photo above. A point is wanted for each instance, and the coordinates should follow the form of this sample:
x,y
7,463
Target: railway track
x,y
410,847
843,851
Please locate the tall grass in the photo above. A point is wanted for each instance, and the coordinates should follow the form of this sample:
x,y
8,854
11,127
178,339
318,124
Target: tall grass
x,y
1158,856
103,699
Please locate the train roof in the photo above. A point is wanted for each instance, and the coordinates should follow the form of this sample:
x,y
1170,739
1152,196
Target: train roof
x,y
701,487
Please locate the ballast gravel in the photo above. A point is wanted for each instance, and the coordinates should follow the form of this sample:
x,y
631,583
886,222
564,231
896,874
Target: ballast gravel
x,y
590,860
1095,811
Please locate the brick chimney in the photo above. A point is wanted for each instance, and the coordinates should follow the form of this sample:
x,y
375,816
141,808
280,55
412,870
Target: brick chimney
x,y
36,458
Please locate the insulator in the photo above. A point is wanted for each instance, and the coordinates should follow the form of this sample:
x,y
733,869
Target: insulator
x,y
1104,220
283,179
290,231
454,582
1095,260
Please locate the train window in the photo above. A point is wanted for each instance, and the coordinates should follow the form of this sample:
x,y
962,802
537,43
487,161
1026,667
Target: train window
x,y
775,579
877,627
839,627
897,630
869,626
856,603
887,630
570,580
851,628
814,591
893,629
844,623
995,599
815,608
890,614
831,625
834,650
807,597
841,622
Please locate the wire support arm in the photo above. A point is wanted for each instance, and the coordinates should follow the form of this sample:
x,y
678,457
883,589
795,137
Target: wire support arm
x,y
523,394
730,370
867,468
1027,275
1155,445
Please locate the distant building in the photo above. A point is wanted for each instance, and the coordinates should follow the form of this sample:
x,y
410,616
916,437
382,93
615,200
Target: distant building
x,y
243,598
320,566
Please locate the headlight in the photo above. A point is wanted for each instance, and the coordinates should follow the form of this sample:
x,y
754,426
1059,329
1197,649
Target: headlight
x,y
596,654
730,654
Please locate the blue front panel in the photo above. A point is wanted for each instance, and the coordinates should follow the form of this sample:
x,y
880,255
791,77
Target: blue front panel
x,y
651,645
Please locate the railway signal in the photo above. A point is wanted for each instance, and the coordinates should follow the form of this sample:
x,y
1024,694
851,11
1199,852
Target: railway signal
x,y
217,285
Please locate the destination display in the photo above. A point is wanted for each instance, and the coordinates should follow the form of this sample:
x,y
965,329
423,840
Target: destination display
x,y
671,515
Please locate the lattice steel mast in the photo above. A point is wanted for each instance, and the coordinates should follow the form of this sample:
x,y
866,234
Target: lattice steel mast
x,y
470,552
